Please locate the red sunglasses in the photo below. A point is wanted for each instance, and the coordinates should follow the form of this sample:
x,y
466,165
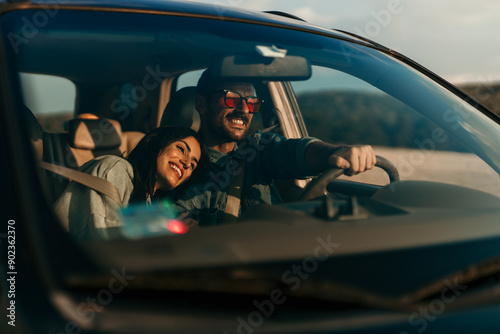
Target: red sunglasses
x,y
232,99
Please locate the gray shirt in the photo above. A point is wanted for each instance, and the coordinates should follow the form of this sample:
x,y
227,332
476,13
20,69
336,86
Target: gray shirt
x,y
267,156
88,214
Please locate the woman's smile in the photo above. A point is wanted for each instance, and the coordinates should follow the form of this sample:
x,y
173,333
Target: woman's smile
x,y
177,169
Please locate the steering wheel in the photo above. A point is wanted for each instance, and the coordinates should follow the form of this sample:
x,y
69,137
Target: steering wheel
x,y
317,187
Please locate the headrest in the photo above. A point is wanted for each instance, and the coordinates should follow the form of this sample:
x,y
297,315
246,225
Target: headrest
x,y
181,110
87,116
92,134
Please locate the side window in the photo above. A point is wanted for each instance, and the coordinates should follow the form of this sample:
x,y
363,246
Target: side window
x,y
50,98
342,109
188,79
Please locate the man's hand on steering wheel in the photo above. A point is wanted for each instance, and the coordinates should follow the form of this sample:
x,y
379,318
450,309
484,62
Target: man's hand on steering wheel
x,y
353,159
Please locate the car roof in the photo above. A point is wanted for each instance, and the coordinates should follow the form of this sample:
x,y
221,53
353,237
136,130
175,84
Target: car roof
x,y
170,7
194,9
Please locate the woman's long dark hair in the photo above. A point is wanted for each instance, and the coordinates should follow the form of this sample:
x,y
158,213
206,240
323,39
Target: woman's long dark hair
x,y
144,156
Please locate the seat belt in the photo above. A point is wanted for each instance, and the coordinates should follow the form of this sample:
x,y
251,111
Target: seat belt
x,y
269,129
98,184
232,209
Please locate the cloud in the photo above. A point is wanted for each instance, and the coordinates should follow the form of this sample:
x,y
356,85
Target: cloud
x,y
310,15
454,38
258,5
478,77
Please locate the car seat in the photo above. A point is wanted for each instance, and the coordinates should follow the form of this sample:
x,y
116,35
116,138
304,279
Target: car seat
x,y
181,110
86,138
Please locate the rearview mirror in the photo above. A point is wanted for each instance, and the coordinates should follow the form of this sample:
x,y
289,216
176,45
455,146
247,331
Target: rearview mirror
x,y
289,68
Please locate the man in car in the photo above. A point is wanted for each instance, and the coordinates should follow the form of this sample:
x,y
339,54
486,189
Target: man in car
x,y
242,168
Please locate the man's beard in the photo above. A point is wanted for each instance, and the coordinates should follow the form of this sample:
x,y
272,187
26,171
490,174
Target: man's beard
x,y
224,133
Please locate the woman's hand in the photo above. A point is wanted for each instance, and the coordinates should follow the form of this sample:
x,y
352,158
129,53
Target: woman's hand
x,y
189,222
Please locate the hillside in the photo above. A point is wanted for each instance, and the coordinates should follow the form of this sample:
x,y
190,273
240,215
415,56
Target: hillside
x,y
367,118
488,95
54,122
385,121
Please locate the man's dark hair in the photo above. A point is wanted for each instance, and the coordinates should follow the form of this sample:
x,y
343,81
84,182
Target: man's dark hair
x,y
206,83
144,156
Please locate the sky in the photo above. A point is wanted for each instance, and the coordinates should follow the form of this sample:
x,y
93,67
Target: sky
x,y
457,39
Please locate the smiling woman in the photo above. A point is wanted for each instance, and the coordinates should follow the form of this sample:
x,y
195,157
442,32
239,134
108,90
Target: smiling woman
x,y
163,160
176,163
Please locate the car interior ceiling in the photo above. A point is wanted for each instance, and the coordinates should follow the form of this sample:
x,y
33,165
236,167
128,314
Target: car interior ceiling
x,y
86,58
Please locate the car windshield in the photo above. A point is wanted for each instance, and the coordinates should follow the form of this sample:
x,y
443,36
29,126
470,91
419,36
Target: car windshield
x,y
125,67
351,87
